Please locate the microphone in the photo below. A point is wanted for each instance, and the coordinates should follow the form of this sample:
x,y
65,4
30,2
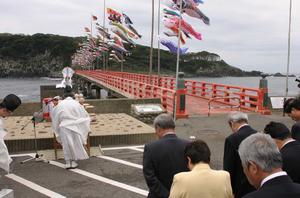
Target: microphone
x,y
33,120
37,117
36,114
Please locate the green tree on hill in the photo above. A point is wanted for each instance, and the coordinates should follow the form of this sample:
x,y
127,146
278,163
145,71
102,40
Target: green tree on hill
x,y
47,54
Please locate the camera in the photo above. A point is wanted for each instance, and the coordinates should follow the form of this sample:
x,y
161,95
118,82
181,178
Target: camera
x,y
298,80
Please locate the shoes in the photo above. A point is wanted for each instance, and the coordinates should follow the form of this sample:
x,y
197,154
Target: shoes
x,y
74,164
70,164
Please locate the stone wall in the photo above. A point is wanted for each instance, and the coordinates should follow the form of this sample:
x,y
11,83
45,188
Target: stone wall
x,y
120,105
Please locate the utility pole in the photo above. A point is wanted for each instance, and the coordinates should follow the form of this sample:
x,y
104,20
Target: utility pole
x,y
151,49
288,56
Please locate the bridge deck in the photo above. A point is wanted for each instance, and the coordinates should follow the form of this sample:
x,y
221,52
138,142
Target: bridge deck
x,y
199,106
200,96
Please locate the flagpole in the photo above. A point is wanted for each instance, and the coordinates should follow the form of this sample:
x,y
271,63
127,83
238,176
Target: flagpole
x,y
122,62
91,25
103,54
151,49
177,60
158,47
91,31
289,49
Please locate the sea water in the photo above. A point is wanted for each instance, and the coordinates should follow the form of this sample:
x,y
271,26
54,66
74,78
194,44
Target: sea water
x,y
28,89
276,85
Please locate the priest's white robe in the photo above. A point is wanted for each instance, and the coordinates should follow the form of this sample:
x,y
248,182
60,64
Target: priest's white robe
x,y
5,159
71,124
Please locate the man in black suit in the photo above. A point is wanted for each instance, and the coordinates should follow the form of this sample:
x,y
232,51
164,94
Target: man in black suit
x,y
292,108
238,122
163,158
262,164
289,148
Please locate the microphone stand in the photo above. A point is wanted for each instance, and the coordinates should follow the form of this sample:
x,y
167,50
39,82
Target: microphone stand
x,y
37,157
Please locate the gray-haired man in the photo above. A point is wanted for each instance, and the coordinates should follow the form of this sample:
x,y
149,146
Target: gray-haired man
x,y
163,158
238,122
262,164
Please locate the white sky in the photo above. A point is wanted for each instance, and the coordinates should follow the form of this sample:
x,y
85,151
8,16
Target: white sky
x,y
249,34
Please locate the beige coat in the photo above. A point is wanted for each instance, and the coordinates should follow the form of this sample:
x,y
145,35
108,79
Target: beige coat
x,y
202,181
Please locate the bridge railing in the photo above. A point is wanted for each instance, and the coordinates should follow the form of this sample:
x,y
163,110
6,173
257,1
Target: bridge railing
x,y
247,98
134,88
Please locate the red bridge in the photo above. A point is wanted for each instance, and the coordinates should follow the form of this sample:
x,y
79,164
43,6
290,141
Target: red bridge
x,y
200,97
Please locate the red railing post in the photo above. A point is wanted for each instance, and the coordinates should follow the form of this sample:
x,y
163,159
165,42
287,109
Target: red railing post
x,y
164,98
242,97
214,90
194,88
262,103
226,94
263,86
180,97
203,89
180,104
261,93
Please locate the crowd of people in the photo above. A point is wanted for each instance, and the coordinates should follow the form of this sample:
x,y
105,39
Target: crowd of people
x,y
256,164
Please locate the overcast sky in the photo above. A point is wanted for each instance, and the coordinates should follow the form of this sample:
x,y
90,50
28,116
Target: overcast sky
x,y
249,34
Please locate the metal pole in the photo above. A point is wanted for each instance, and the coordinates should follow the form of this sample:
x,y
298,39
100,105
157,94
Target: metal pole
x,y
177,60
104,11
151,48
92,67
91,26
122,61
103,54
288,56
158,47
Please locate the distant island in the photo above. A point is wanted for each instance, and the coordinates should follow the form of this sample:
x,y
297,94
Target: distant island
x,y
46,54
282,75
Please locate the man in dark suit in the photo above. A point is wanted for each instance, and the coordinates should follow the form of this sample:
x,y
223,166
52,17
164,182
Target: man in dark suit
x,y
292,108
163,158
262,164
289,148
238,122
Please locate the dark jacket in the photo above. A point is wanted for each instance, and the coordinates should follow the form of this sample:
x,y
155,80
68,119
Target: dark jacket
x,y
161,161
232,162
296,131
278,187
291,160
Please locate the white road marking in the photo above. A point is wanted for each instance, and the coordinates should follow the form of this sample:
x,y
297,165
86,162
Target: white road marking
x,y
136,149
121,161
120,148
34,186
23,155
103,179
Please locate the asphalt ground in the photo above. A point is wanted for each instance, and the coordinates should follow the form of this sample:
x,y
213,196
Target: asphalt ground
x,y
115,179
117,174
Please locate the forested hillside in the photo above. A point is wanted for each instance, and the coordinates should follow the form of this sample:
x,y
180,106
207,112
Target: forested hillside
x,y
46,55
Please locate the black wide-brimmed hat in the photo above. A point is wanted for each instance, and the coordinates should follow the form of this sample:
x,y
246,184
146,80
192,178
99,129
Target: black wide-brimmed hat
x,y
11,102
